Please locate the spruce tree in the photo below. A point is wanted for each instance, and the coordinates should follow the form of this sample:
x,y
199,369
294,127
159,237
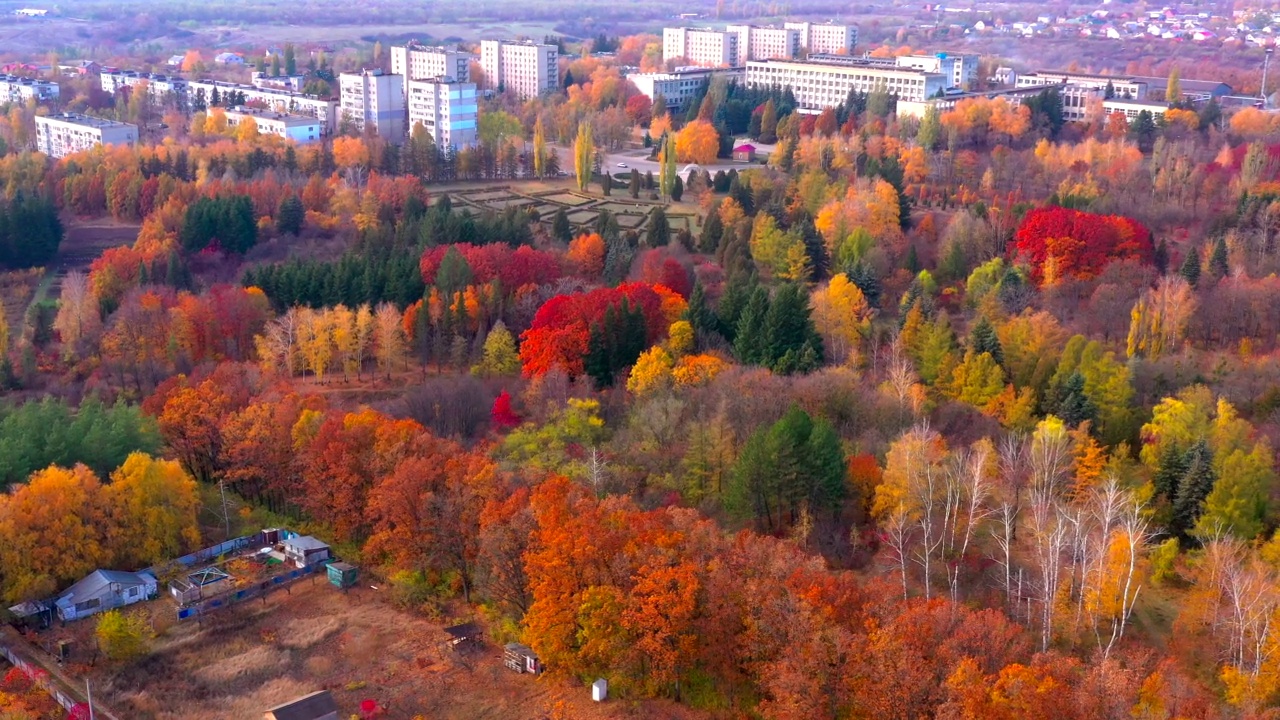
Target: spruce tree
x,y
712,229
1074,406
750,339
1193,488
983,339
1173,466
561,228
1190,270
658,233
1218,264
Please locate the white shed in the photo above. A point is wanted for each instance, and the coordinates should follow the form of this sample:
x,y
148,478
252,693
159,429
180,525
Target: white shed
x,y
105,589
600,690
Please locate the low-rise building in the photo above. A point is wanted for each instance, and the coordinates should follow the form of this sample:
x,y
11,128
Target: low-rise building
x,y
103,590
826,37
961,70
681,85
1013,96
202,93
447,109
826,83
66,133
1122,86
1132,108
14,89
291,83
301,129
228,58
373,100
526,68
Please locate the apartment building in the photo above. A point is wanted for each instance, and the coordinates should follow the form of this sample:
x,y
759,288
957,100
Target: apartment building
x,y
681,85
376,101
961,70
14,89
413,61
527,68
201,93
158,86
765,43
704,47
302,129
822,84
61,135
1131,108
447,108
825,37
1124,87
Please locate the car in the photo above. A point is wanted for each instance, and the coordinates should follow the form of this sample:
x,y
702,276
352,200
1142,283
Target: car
x,y
622,165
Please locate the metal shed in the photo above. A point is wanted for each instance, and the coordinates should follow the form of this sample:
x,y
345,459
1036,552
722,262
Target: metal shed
x,y
342,574
521,659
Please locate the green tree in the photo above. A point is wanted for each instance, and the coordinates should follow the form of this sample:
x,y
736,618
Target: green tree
x,y
769,123
1173,91
1190,270
792,342
749,338
290,61
658,234
1218,264
454,273
615,343
793,465
1238,502
712,230
290,215
123,636
1193,488
583,150
930,128
983,339
561,228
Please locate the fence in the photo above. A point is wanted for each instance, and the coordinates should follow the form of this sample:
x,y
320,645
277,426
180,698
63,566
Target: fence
x,y
216,551
42,675
261,589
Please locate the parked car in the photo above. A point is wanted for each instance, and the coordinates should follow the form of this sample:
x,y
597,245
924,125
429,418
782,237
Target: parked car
x,y
622,165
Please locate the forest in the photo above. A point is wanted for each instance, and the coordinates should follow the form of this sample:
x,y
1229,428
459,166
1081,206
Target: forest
x,y
968,416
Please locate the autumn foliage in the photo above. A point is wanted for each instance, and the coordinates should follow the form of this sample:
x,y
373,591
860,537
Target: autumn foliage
x,y
1059,242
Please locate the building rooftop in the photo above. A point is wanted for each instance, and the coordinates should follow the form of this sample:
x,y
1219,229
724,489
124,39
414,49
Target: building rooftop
x,y
287,118
87,121
306,542
308,707
98,580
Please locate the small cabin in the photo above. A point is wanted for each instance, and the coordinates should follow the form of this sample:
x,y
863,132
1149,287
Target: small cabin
x,y
342,575
463,635
305,550
521,659
104,590
746,152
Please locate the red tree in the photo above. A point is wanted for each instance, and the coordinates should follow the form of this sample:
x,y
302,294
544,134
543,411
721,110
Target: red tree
x,y
1058,242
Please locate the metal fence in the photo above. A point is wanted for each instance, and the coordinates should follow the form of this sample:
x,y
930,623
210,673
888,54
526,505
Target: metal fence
x,y
259,590
214,552
75,706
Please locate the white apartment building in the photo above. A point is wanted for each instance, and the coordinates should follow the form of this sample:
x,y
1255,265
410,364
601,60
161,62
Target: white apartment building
x,y
1125,87
301,129
1131,108
825,37
201,93
158,86
820,85
61,135
961,70
681,85
527,68
419,62
705,47
373,100
766,43
448,109
14,89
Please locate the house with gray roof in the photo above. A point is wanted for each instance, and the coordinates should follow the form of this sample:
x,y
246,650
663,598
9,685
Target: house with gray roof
x,y
103,590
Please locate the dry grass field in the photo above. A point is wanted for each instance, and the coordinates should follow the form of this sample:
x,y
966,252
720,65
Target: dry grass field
x,y
239,662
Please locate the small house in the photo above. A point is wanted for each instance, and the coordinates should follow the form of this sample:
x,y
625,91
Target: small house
x,y
104,590
342,574
521,659
466,633
228,58
746,152
318,705
305,550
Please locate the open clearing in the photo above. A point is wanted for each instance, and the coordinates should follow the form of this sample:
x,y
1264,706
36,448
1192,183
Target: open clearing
x,y
248,658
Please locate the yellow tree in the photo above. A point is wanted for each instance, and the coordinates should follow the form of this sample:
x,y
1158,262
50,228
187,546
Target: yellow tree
x,y
698,142
122,636
247,130
77,312
51,532
153,506
842,316
652,372
363,336
771,247
315,340
215,122
583,149
539,148
350,152
389,345
342,325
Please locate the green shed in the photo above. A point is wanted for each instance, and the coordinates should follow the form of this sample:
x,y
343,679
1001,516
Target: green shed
x,y
342,574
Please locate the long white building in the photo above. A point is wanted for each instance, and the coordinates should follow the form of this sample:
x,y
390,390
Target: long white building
x,y
201,93
820,85
702,46
447,108
301,129
825,37
414,61
526,68
376,101
158,86
16,89
961,70
1124,87
680,85
61,135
